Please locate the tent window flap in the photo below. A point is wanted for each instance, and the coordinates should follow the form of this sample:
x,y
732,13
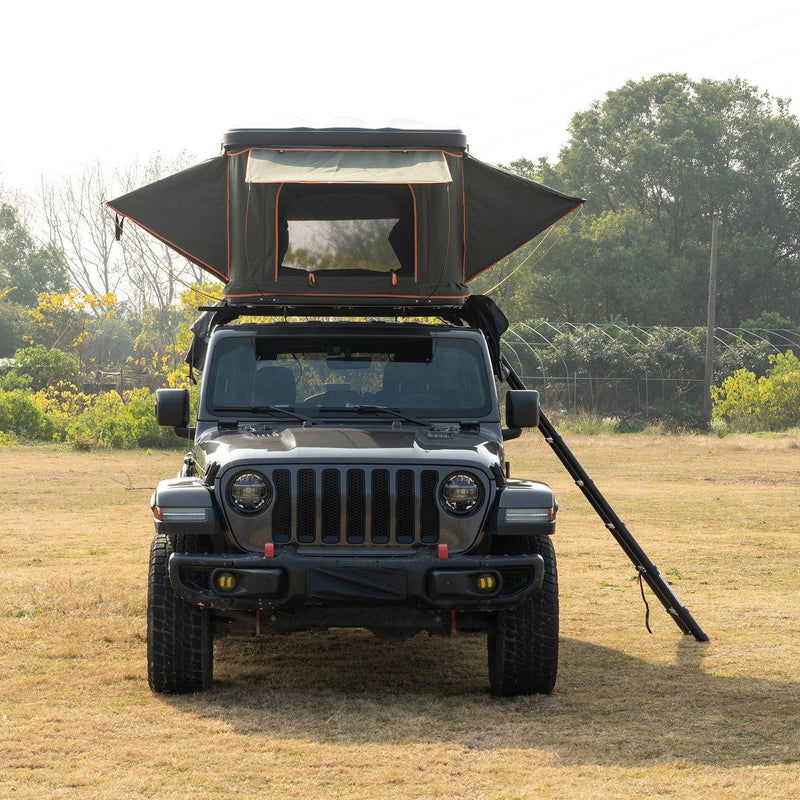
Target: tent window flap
x,y
347,166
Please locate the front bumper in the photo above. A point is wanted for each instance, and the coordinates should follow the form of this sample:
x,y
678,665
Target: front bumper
x,y
293,578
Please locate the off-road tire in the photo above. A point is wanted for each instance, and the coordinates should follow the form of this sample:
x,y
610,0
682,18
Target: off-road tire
x,y
523,642
180,642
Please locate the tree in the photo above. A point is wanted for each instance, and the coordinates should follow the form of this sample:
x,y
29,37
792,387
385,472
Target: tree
x,y
72,322
26,267
768,403
674,150
16,326
653,159
139,269
143,273
155,274
603,267
170,362
79,226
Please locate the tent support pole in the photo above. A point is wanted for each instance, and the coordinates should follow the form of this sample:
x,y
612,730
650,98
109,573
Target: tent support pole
x,y
644,566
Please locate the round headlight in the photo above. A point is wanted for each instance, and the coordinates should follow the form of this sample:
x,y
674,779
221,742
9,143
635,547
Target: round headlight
x,y
249,492
461,493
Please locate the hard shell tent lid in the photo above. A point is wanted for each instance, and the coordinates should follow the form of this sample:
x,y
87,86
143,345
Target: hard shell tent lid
x,y
344,216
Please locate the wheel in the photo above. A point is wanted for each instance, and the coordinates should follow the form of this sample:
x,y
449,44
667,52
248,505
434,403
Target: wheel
x,y
180,642
523,642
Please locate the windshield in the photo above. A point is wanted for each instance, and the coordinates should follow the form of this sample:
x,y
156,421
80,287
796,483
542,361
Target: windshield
x,y
325,376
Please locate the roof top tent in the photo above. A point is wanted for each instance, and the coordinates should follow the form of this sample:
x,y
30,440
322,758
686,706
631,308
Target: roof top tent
x,y
341,217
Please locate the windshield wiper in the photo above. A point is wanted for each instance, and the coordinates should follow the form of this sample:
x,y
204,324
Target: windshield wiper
x,y
289,412
368,409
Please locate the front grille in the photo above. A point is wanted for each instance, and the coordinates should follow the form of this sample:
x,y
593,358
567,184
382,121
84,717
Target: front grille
x,y
355,506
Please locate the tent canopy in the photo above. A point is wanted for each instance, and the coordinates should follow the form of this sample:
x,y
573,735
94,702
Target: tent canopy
x,y
344,216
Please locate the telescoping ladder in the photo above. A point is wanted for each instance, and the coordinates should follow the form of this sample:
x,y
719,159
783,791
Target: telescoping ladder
x,y
646,569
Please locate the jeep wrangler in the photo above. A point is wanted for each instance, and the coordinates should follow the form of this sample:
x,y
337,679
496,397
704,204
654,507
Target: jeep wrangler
x,y
351,474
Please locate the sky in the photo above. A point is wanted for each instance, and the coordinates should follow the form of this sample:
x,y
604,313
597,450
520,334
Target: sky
x,y
113,83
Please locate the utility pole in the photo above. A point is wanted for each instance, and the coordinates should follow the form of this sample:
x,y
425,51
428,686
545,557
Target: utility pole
x,y
711,321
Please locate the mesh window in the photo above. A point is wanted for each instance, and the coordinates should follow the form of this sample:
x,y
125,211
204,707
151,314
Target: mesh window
x,y
341,244
346,228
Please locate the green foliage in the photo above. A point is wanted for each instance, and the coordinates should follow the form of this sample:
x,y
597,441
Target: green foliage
x,y
769,403
615,368
16,327
37,368
750,355
673,353
166,360
767,320
72,320
27,268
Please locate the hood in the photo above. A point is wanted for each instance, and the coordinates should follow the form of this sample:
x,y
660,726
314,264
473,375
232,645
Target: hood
x,y
357,445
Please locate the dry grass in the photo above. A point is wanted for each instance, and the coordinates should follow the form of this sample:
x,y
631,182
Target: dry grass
x,y
346,715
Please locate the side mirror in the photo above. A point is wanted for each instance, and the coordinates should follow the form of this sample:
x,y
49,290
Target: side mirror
x,y
522,408
172,410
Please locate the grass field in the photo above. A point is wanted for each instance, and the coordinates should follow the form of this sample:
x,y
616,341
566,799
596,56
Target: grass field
x,y
345,715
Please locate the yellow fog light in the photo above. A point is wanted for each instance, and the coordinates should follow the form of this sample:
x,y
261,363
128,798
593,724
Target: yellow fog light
x,y
226,581
487,582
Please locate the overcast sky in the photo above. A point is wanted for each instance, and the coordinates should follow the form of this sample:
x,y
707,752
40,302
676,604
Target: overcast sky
x,y
115,82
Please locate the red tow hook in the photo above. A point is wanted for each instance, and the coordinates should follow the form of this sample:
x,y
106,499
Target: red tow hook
x,y
269,552
443,553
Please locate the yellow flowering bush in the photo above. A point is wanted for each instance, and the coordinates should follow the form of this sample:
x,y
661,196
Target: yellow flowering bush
x,y
770,403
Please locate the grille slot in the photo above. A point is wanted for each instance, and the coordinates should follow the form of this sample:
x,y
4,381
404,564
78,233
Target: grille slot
x,y
405,507
381,502
429,510
282,510
306,506
355,506
331,508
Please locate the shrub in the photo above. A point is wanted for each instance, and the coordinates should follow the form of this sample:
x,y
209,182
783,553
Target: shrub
x,y
113,421
769,403
37,368
20,417
62,413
